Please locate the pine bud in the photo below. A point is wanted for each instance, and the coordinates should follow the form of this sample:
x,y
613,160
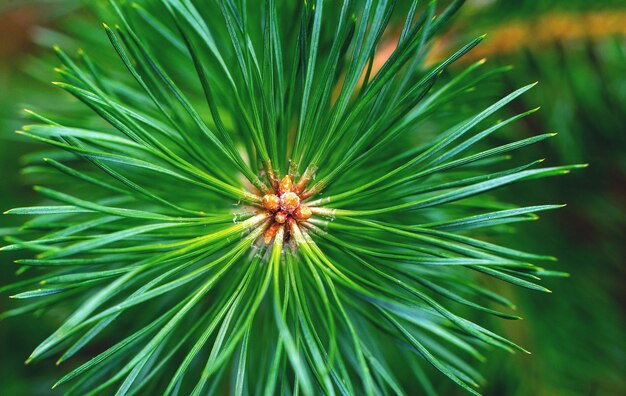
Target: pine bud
x,y
302,212
289,201
271,202
285,185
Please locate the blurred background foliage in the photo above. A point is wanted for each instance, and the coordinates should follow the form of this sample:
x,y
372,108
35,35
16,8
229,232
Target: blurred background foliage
x,y
576,49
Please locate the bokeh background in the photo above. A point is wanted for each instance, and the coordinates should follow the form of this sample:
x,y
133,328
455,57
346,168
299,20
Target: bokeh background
x,y
577,51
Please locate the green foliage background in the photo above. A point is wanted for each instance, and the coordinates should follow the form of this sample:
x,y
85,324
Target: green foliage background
x,y
577,333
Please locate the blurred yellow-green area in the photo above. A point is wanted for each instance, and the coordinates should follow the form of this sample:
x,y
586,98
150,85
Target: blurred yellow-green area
x,y
575,49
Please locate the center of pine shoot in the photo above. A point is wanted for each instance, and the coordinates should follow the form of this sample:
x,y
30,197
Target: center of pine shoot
x,y
284,206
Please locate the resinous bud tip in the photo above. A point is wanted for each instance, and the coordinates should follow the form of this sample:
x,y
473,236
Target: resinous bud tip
x,y
271,202
285,185
302,212
289,201
281,217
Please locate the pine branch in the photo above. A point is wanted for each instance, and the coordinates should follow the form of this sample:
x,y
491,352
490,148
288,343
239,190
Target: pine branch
x,y
259,201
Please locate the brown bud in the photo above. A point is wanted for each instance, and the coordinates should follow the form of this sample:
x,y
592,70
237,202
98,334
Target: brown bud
x,y
271,202
285,185
289,201
302,212
271,232
281,217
